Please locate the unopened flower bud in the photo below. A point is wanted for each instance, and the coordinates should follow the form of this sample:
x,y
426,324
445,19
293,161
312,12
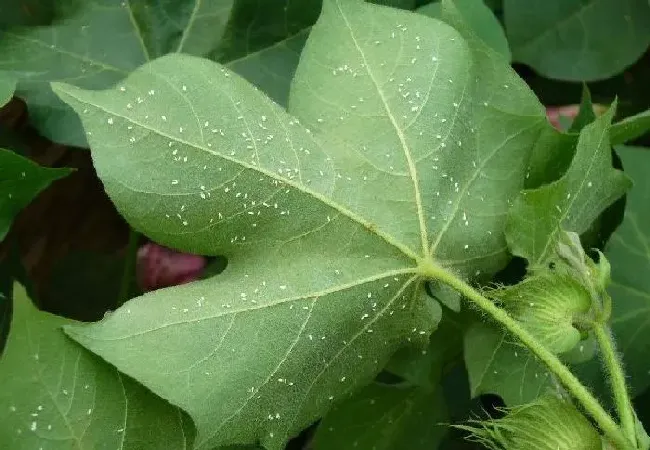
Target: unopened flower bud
x,y
548,423
548,305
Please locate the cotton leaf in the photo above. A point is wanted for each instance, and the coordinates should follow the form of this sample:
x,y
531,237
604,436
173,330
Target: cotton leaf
x,y
387,164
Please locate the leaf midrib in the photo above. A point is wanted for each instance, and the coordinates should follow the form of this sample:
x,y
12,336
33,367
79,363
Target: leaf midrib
x,y
400,134
73,55
231,311
138,31
63,89
190,24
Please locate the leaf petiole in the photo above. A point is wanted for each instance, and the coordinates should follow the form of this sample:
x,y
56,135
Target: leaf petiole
x,y
612,364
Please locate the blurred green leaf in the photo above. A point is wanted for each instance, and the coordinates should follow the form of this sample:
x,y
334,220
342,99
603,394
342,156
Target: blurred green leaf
x,y
402,4
100,43
498,364
272,68
577,40
384,417
7,87
629,255
27,12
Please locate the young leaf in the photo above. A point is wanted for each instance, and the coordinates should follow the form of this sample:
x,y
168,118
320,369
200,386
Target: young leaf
x,y
570,203
389,418
577,40
56,395
630,128
99,44
586,113
326,229
498,365
20,181
629,255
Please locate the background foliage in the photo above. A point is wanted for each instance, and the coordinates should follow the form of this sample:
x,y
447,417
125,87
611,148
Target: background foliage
x,y
329,340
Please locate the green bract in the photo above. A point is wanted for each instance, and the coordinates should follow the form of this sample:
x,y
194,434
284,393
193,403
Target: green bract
x,y
549,423
548,304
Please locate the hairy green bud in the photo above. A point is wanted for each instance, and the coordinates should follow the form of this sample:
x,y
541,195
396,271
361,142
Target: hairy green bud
x,y
549,305
548,423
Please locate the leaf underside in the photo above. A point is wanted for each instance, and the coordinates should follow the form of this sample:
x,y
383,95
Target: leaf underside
x,y
387,159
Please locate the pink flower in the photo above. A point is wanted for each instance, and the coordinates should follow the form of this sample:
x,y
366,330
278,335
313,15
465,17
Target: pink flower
x,y
553,113
158,267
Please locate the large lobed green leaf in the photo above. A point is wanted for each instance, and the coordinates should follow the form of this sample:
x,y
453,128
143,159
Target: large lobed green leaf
x,y
577,40
57,395
404,148
20,181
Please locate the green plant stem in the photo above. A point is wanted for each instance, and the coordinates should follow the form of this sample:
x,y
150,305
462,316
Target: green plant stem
x,y
590,404
614,368
129,266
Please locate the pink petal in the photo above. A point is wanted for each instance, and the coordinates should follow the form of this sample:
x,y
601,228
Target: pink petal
x,y
553,113
158,267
